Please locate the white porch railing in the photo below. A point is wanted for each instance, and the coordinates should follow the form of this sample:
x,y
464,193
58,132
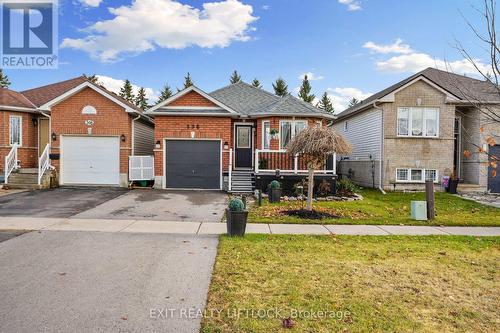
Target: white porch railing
x,y
10,162
230,171
141,168
43,163
272,160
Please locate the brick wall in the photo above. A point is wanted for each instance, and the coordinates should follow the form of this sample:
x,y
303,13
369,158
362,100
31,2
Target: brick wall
x,y
192,98
184,126
110,120
422,153
28,153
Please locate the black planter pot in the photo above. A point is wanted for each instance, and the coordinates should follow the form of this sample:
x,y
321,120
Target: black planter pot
x,y
275,195
452,186
236,223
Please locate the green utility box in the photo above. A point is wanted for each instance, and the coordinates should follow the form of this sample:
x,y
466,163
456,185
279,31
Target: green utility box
x,y
419,210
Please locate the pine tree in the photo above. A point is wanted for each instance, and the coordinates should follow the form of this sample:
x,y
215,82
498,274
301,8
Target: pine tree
x,y
188,82
4,79
353,102
305,91
165,94
235,78
280,88
256,83
92,78
325,103
141,101
126,91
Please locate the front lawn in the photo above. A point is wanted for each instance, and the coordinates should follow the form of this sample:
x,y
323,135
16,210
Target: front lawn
x,y
365,283
376,208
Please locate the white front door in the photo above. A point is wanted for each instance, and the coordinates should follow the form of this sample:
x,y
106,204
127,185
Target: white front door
x,y
90,160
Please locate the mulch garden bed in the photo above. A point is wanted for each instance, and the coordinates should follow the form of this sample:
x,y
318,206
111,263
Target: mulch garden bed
x,y
310,214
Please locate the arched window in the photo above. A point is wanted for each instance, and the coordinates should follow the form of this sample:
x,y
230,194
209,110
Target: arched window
x,y
89,109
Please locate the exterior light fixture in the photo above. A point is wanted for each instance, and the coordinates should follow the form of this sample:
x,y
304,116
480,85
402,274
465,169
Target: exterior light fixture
x,y
122,137
34,120
226,145
54,136
158,144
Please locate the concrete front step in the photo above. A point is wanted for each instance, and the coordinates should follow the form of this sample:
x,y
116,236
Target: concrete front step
x,y
470,188
27,171
23,186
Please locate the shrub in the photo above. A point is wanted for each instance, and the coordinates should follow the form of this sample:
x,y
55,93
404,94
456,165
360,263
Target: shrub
x,y
324,188
236,205
345,186
275,184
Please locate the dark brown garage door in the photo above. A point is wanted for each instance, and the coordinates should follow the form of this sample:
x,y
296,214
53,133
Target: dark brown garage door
x,y
193,164
494,176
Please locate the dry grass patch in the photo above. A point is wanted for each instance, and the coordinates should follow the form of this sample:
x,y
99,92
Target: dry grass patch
x,y
379,284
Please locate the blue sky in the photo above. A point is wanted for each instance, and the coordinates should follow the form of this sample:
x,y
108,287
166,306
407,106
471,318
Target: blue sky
x,y
351,47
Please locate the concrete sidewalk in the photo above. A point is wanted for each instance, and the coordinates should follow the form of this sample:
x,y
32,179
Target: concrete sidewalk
x,y
197,228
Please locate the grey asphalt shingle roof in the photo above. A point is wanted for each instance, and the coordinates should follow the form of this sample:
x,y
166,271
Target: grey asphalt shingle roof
x,y
460,86
251,101
184,111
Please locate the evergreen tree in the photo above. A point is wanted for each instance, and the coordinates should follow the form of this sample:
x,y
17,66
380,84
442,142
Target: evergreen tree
x,y
188,82
4,80
92,78
166,93
256,83
235,78
126,91
280,87
353,102
305,91
141,101
325,103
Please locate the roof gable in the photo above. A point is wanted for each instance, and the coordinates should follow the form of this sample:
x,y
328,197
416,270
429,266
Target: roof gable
x,y
15,100
44,94
191,100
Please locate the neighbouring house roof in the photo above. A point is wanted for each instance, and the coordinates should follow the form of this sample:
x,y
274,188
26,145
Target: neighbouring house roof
x,y
13,99
256,102
462,88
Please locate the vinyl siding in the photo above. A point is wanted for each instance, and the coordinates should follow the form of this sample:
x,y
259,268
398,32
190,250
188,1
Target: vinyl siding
x,y
364,133
143,139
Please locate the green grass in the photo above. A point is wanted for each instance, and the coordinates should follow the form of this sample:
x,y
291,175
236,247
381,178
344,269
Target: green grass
x,y
373,284
392,208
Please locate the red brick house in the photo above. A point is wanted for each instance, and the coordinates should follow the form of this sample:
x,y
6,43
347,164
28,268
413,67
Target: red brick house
x,y
84,131
233,138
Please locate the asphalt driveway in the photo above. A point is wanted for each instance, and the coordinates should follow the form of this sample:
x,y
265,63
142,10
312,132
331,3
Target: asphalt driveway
x,y
191,206
117,203
59,281
59,202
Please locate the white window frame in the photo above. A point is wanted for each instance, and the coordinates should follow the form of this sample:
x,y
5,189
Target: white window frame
x,y
264,135
408,175
424,122
293,129
20,144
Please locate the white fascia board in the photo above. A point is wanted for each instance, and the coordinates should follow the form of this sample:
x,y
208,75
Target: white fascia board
x,y
80,87
18,109
390,97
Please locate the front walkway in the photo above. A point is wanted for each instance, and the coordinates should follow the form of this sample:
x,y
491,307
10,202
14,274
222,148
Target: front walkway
x,y
197,228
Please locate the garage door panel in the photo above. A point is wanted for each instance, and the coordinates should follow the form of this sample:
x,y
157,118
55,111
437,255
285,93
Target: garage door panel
x,y
91,160
192,164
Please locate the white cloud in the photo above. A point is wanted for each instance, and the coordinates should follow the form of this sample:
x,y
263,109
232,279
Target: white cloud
x,y
266,7
341,96
397,47
352,5
91,3
416,62
114,85
148,24
311,76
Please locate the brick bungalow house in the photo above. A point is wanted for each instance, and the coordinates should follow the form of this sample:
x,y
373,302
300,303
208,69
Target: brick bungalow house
x,y
233,138
418,129
84,131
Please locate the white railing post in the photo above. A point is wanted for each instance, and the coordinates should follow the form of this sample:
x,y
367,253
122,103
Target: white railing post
x,y
6,167
256,161
334,163
43,163
10,162
230,171
295,163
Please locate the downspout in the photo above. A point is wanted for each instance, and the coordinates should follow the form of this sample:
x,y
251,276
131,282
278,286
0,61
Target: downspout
x,y
50,135
381,148
133,134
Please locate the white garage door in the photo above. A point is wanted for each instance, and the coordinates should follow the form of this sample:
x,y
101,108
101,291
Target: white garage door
x,y
90,160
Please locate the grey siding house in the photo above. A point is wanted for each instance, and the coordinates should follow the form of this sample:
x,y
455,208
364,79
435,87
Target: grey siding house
x,y
418,129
